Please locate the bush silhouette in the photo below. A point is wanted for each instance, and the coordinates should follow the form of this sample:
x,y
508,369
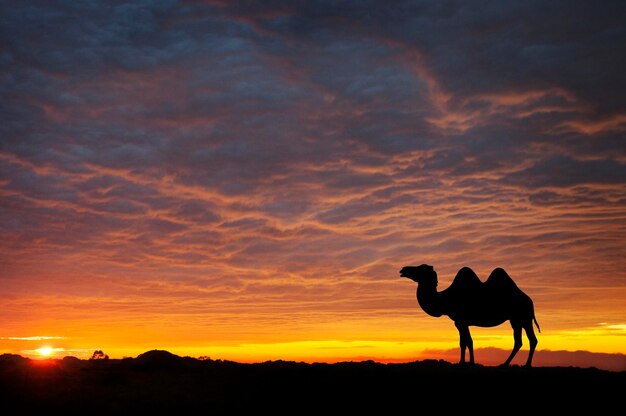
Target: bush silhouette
x,y
99,355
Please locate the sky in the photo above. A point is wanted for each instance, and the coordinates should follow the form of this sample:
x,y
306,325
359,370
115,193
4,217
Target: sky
x,y
244,180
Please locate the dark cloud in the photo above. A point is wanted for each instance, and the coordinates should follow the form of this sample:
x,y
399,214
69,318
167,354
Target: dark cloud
x,y
244,223
563,171
89,37
196,210
120,206
233,63
504,47
361,208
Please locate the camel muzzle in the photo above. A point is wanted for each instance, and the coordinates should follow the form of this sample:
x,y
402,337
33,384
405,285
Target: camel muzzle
x,y
409,272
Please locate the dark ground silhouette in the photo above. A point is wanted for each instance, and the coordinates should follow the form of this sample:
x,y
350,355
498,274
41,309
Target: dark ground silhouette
x,y
158,382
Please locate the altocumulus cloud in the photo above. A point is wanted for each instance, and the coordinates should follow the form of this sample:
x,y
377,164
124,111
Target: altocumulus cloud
x,y
201,142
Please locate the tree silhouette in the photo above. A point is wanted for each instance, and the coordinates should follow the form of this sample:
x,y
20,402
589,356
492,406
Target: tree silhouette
x,y
99,355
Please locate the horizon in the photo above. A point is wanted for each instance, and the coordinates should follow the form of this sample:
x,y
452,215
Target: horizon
x,y
245,181
490,357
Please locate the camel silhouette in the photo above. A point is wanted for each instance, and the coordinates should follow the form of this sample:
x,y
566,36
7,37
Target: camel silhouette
x,y
470,302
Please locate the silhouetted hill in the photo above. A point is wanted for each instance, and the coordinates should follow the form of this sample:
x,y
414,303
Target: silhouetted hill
x,y
159,381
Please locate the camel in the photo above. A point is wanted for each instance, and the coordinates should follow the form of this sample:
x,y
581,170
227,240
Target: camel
x,y
470,302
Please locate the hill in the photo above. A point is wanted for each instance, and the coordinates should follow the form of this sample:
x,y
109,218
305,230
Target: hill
x,y
158,381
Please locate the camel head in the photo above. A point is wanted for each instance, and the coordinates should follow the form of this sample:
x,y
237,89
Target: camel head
x,y
419,274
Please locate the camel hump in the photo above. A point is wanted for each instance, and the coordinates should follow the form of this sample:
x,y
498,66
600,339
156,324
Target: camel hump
x,y
466,280
500,279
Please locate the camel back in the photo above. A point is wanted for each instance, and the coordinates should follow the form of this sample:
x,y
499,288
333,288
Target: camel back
x,y
465,281
500,281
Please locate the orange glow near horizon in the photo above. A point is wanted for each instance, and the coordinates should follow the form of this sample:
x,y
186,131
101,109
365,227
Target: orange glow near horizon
x,y
492,345
403,342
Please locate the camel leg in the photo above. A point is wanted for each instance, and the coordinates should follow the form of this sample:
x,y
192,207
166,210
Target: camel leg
x,y
532,341
469,342
465,341
517,339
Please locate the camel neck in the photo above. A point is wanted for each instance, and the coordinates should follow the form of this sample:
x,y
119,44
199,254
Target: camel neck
x,y
428,300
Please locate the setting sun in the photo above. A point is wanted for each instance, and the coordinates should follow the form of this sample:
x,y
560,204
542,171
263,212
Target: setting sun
x,y
45,351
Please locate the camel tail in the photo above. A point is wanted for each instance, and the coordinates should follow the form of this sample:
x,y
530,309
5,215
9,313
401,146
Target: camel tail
x,y
535,320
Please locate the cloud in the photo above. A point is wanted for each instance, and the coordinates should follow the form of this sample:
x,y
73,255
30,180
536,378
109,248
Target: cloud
x,y
563,171
33,338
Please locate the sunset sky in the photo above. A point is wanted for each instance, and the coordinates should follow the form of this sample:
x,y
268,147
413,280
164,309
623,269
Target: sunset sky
x,y
244,180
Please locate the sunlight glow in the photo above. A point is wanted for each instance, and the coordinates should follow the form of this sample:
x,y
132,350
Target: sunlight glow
x,y
35,338
45,351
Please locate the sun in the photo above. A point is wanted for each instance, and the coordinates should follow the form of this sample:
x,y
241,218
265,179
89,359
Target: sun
x,y
45,351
